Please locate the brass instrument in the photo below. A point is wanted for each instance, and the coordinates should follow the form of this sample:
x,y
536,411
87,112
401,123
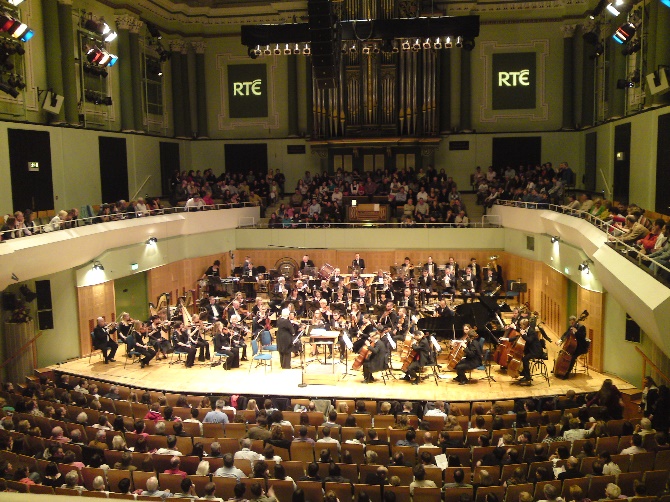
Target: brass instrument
x,y
107,326
493,263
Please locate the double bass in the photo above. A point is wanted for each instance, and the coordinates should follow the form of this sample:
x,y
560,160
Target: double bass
x,y
562,364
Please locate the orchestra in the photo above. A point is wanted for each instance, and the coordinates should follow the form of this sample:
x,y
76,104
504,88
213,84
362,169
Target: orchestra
x,y
379,315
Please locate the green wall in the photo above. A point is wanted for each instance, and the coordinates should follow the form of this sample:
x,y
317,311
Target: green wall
x,y
130,295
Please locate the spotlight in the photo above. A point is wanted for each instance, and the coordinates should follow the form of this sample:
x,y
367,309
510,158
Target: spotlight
x,y
287,50
366,49
277,50
448,43
152,241
555,239
416,46
459,42
110,36
267,50
664,2
437,45
15,3
97,266
631,48
583,267
624,33
15,28
405,45
153,31
375,49
352,47
345,48
296,49
306,50
468,44
251,53
394,47
613,10
257,51
427,44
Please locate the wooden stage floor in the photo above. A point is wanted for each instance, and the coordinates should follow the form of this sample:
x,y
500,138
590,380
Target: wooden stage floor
x,y
332,382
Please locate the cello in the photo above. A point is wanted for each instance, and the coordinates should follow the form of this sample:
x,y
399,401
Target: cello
x,y
564,357
411,354
363,355
458,347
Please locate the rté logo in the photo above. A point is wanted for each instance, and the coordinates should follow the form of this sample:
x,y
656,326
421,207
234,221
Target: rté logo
x,y
244,88
513,78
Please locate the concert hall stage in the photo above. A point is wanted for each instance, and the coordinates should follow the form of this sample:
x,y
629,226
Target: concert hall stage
x,y
201,379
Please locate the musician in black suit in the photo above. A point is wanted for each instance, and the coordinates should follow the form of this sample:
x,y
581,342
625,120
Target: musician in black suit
x,y
358,262
223,345
466,284
182,343
388,320
134,343
489,283
247,267
198,335
430,266
104,342
306,263
472,356
425,285
377,360
214,311
476,271
421,348
285,334
238,332
578,330
407,300
336,279
450,281
534,348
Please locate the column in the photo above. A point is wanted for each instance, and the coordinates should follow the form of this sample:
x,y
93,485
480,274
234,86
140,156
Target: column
x,y
123,24
455,81
578,77
136,74
662,44
568,30
588,87
307,61
70,107
650,28
176,65
444,93
53,54
292,81
466,91
201,88
616,102
185,87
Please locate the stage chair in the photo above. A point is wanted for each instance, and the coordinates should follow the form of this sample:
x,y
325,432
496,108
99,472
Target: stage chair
x,y
259,357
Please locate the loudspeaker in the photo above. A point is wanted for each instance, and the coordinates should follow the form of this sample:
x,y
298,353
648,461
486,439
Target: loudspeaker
x,y
45,319
657,82
43,290
632,330
324,46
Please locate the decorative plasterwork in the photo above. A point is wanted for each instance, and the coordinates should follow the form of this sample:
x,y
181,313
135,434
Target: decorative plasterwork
x,y
225,122
568,30
541,111
199,46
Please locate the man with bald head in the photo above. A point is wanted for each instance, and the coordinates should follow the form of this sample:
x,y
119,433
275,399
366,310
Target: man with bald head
x,y
104,342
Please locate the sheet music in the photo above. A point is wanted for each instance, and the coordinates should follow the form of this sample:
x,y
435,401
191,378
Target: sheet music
x,y
438,349
391,341
347,341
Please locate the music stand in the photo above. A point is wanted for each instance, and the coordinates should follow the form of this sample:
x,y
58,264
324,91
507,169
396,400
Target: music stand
x,y
519,287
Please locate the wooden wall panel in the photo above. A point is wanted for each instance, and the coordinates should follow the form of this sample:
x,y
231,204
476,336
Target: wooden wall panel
x,y
593,302
93,302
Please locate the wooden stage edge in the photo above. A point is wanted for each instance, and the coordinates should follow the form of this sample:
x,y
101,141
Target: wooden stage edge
x,y
203,379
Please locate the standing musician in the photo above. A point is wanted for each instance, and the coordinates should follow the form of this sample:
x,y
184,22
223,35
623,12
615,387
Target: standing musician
x,y
214,311
578,330
489,284
339,324
238,333
102,340
449,280
306,263
248,267
476,271
452,263
407,300
430,267
286,331
534,348
134,343
421,353
472,357
425,286
466,284
223,345
182,342
213,271
377,359
407,269
358,262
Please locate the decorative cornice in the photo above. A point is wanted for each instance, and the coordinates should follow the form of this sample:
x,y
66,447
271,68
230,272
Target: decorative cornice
x,y
178,46
65,2
128,22
199,46
568,30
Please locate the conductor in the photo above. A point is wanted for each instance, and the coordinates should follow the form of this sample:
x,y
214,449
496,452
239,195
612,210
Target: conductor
x,y
285,334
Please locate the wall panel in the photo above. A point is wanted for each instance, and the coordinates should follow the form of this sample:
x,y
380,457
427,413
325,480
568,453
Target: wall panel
x,y
94,301
593,302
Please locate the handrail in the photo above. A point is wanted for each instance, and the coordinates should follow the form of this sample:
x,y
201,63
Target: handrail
x,y
373,224
613,232
645,360
23,348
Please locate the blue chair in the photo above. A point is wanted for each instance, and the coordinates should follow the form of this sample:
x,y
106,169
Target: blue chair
x,y
508,291
266,341
259,357
130,354
220,355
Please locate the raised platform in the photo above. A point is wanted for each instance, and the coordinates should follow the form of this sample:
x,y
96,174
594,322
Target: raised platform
x,y
201,379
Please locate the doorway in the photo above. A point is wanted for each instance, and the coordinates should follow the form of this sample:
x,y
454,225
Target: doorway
x,y
621,182
169,164
30,169
113,168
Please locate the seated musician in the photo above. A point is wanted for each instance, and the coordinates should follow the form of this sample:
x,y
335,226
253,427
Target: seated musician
x,y
326,313
223,345
466,284
214,312
124,327
336,279
182,343
444,310
472,356
578,330
258,306
403,325
102,340
260,319
407,300
234,308
449,280
198,337
360,296
534,349
422,357
377,359
339,295
238,333
134,343
490,284
302,288
154,332
306,263
388,320
425,286
325,290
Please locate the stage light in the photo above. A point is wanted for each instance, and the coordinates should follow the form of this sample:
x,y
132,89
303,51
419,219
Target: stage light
x,y
15,3
345,48
437,45
306,50
267,50
448,43
459,42
104,28
97,266
277,50
468,44
27,35
287,50
427,44
352,47
366,49
405,45
622,83
375,49
624,33
416,46
296,49
394,47
555,239
583,267
153,31
152,241
613,10
666,3
111,36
